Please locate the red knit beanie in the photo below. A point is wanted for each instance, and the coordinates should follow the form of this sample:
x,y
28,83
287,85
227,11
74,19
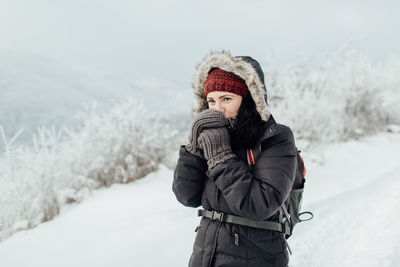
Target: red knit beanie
x,y
220,80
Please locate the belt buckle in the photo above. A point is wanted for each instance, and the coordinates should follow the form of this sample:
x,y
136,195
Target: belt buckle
x,y
218,216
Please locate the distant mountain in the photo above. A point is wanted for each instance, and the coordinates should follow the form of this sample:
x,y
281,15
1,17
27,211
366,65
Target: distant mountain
x,y
35,91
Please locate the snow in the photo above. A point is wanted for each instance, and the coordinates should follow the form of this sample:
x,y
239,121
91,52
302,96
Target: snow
x,y
124,225
352,189
355,220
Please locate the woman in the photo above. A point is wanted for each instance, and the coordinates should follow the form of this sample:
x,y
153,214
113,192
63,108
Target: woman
x,y
213,170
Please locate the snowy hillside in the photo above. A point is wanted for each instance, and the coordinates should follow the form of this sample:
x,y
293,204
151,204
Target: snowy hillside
x,y
352,189
121,141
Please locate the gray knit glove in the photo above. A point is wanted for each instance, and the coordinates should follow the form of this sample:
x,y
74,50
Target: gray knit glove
x,y
215,144
209,118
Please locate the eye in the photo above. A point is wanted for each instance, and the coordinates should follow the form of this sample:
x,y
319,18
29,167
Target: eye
x,y
210,101
227,99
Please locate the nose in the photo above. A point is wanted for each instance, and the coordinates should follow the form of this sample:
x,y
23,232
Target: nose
x,y
219,106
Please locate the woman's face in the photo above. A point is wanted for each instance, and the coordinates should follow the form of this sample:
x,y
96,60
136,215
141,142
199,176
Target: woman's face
x,y
227,103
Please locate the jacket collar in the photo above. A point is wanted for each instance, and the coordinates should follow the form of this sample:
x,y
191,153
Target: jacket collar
x,y
271,129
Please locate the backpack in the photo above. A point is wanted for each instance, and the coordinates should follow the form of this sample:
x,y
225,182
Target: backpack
x,y
289,212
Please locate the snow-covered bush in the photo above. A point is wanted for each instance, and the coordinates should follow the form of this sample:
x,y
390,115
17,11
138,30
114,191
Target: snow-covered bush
x,y
343,98
118,146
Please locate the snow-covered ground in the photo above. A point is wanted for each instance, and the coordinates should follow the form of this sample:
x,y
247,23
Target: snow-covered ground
x,y
352,189
353,192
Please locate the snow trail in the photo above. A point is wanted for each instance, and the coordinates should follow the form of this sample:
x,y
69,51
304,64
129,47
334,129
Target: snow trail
x,y
355,228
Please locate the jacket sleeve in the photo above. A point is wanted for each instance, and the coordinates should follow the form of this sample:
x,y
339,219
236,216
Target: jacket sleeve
x,y
259,193
189,177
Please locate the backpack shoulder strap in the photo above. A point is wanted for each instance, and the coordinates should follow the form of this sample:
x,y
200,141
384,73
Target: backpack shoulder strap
x,y
252,155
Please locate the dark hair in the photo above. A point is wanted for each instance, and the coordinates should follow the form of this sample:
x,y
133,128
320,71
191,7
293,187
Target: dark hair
x,y
249,126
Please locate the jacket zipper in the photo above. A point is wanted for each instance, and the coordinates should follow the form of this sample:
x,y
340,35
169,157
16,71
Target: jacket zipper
x,y
217,198
249,244
215,243
236,236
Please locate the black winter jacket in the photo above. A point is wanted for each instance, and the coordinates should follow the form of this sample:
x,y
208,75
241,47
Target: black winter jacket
x,y
234,187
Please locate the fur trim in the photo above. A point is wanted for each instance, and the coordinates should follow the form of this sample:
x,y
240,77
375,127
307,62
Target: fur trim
x,y
238,66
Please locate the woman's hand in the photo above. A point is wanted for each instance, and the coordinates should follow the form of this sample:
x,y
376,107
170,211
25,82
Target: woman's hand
x,y
207,119
215,144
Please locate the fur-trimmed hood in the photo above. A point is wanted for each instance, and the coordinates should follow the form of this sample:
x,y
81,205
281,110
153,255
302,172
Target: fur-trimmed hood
x,y
245,67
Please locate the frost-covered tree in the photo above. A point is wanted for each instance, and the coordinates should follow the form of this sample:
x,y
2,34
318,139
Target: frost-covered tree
x,y
340,99
117,146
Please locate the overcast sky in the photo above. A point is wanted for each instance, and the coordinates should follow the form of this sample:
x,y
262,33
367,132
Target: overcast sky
x,y
165,38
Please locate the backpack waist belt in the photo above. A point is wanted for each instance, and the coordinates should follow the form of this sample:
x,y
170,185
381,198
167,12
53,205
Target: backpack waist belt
x,y
223,217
